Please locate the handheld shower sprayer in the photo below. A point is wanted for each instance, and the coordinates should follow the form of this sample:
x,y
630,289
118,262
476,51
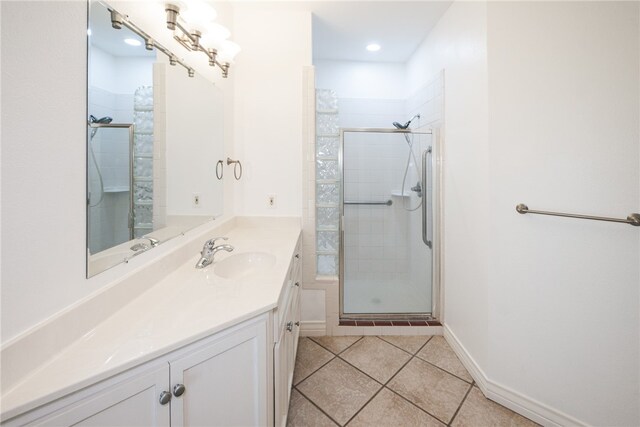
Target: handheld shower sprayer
x,y
406,125
103,121
418,187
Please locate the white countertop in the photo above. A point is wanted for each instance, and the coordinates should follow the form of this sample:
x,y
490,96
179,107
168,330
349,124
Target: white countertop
x,y
187,305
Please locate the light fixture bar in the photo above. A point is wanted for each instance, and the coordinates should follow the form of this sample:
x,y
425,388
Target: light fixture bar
x,y
191,39
119,20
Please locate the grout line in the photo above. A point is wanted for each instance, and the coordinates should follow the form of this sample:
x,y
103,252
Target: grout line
x,y
444,370
381,388
384,385
314,404
410,359
345,349
461,403
414,404
333,356
412,354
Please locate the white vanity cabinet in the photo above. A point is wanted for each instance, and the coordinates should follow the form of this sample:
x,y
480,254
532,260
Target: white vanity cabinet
x,y
286,334
218,381
130,399
240,375
224,383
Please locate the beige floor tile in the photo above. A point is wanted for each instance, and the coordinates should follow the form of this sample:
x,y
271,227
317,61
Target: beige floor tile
x,y
376,358
389,409
310,357
303,413
339,389
410,343
336,344
478,411
438,352
432,389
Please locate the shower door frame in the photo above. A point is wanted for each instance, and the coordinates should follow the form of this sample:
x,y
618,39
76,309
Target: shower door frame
x,y
435,258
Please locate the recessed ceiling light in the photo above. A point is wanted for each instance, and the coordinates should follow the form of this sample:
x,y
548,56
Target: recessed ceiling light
x,y
373,47
133,42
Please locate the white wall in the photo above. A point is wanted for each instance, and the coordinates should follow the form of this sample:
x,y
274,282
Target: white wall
x,y
276,45
357,79
564,135
458,45
43,162
542,107
194,137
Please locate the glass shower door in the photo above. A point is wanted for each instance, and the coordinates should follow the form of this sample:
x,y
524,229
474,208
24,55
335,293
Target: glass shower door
x,y
386,267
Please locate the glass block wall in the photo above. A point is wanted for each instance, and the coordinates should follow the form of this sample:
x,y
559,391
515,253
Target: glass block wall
x,y
143,161
327,183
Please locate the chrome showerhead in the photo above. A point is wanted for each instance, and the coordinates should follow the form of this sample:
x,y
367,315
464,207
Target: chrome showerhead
x,y
101,120
406,125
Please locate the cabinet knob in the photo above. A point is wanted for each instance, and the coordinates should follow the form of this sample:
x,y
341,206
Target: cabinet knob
x,y
297,284
297,323
289,326
165,397
178,390
297,256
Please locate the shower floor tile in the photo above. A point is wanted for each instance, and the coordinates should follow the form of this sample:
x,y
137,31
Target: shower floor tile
x,y
388,381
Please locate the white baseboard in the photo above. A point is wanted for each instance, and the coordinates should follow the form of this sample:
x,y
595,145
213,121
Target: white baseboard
x,y
526,406
313,328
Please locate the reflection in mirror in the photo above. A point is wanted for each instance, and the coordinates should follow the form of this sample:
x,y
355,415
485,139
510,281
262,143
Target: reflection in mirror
x,y
150,158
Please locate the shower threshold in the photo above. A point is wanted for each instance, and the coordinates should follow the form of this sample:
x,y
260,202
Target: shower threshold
x,y
388,320
376,321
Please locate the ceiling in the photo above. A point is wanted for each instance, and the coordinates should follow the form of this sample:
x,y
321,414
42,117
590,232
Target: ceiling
x,y
342,29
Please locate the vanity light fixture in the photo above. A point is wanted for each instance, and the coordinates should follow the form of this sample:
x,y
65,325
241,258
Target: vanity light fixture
x,y
191,40
119,20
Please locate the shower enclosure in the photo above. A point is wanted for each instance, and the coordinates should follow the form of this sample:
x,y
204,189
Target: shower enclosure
x,y
109,183
388,259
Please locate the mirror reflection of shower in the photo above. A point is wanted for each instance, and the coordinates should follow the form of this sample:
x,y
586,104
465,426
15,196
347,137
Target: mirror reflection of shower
x,y
418,187
94,130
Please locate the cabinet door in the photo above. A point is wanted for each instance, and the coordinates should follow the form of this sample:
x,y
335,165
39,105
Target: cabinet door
x,y
133,402
225,381
284,359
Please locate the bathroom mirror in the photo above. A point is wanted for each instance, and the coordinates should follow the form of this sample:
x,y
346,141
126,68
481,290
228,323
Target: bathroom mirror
x,y
154,135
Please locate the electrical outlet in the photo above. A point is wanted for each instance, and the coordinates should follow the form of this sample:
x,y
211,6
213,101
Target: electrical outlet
x,y
271,200
196,200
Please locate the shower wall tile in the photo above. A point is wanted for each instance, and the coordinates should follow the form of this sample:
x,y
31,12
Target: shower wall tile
x,y
373,171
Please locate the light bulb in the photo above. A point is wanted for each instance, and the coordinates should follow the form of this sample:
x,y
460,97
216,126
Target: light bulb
x,y
198,15
133,42
228,51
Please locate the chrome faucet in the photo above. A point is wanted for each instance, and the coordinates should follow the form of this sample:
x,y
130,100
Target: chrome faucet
x,y
140,247
210,249
152,240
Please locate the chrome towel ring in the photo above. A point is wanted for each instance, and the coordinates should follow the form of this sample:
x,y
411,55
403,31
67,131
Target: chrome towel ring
x,y
237,168
220,169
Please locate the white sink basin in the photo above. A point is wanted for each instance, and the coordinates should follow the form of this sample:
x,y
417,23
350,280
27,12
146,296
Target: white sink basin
x,y
244,264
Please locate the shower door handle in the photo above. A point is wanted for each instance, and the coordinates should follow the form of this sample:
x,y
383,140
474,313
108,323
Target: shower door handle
x,y
425,185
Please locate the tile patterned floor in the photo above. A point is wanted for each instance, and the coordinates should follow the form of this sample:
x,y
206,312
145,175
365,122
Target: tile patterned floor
x,y
388,381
